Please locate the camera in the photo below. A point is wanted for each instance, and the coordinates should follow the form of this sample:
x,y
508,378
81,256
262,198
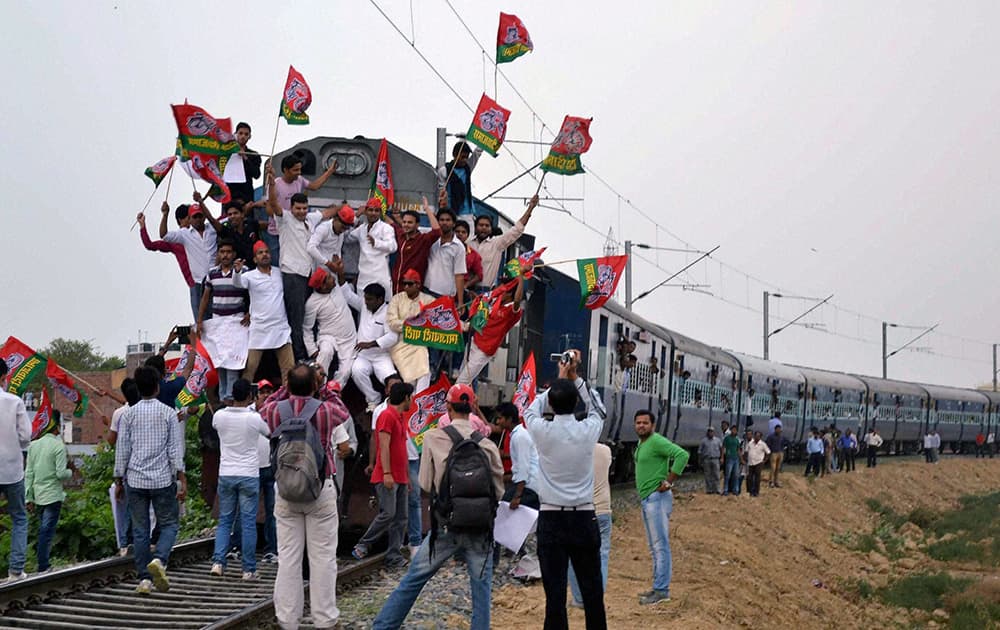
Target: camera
x,y
183,335
561,357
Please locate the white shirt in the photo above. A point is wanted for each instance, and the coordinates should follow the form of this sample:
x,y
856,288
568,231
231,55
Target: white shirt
x,y
324,244
15,436
373,262
873,439
602,489
263,451
444,261
492,248
565,448
116,417
523,457
928,441
331,312
200,248
372,327
293,238
239,429
269,327
935,440
757,452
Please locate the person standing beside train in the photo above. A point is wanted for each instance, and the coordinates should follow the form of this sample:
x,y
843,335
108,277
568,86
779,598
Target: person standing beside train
x,y
872,443
731,462
15,427
777,443
709,454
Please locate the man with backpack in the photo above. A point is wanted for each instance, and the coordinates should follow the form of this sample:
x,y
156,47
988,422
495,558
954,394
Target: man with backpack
x,y
463,473
567,521
390,477
306,504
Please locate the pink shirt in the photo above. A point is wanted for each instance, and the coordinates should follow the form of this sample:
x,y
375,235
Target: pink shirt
x,y
284,191
478,425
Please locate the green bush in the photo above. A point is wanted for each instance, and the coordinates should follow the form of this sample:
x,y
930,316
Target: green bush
x,y
924,591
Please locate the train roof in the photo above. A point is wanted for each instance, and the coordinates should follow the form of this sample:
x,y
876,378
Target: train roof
x,y
756,365
943,392
686,344
993,397
837,380
889,386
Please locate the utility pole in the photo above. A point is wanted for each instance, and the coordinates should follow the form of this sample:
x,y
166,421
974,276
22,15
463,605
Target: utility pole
x,y
442,146
994,367
628,284
885,327
766,334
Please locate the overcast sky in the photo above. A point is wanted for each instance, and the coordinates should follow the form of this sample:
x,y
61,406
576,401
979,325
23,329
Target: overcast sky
x,y
845,148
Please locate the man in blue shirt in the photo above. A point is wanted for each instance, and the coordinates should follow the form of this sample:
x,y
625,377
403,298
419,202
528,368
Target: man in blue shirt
x,y
814,448
567,523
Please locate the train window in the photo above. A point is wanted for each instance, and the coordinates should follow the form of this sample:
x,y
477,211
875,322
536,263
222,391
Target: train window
x,y
349,163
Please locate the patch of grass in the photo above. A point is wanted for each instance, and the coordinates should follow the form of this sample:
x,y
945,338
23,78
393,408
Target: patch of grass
x,y
856,541
975,615
888,514
926,591
922,516
955,550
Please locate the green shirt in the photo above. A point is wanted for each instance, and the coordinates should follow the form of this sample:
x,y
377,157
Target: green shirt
x,y
46,471
653,462
732,446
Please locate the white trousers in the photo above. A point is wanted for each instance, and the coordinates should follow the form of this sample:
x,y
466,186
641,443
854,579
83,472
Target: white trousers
x,y
421,383
475,361
343,348
307,528
362,370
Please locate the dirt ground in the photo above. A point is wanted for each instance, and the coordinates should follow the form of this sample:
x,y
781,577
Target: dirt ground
x,y
752,562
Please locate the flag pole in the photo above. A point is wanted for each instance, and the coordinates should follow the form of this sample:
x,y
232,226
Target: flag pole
x,y
170,178
146,205
540,181
519,176
274,143
557,262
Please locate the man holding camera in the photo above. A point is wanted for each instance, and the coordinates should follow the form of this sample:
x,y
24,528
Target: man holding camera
x,y
567,523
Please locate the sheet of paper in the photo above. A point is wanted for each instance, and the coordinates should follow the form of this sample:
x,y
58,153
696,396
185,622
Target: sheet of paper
x,y
513,526
226,341
234,170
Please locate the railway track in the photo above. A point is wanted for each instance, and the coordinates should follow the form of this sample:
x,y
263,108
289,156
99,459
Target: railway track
x,y
102,595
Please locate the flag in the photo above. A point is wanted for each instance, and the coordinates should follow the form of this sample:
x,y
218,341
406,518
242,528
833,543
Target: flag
x,y
524,393
382,188
427,406
489,126
480,309
65,385
203,376
512,39
23,365
564,154
209,168
41,423
598,279
436,326
159,170
198,131
296,98
523,264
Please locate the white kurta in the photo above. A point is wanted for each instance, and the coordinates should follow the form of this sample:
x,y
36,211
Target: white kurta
x,y
268,323
336,330
373,263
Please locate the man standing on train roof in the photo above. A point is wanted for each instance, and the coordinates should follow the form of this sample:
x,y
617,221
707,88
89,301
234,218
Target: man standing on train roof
x,y
327,240
658,463
410,359
455,179
413,246
290,183
268,322
199,241
241,169
328,312
491,247
446,261
377,241
709,454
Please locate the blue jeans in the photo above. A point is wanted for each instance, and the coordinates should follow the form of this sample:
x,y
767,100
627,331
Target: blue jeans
x,y
19,520
415,506
478,562
196,292
48,516
226,380
656,509
391,520
604,524
164,502
270,525
241,493
731,481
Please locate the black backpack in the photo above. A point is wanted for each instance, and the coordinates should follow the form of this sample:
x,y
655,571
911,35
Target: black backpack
x,y
297,456
466,501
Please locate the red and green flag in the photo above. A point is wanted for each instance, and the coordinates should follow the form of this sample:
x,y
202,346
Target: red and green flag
x,y
203,376
23,365
524,264
159,170
572,140
599,278
483,304
489,126
527,385
200,132
382,188
512,39
296,98
437,325
65,385
428,405
43,417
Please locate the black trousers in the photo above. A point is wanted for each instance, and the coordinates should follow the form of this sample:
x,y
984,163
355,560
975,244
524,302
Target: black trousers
x,y
815,463
872,456
753,479
847,464
571,536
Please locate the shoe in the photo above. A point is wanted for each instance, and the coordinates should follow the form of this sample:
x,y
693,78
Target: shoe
x,y
655,597
413,551
575,604
359,552
270,558
646,594
14,577
123,552
145,587
249,576
233,555
159,573
217,570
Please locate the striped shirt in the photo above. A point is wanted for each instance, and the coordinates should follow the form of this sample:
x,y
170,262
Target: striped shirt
x,y
150,447
328,416
226,298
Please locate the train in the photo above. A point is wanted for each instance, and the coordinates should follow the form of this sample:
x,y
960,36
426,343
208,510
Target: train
x,y
688,385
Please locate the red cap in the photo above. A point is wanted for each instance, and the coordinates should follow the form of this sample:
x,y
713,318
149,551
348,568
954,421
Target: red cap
x,y
317,278
412,274
333,386
259,245
346,214
262,383
194,209
374,203
461,393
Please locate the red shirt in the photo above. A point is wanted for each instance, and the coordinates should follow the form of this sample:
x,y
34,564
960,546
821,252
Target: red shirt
x,y
411,253
473,265
391,421
501,320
